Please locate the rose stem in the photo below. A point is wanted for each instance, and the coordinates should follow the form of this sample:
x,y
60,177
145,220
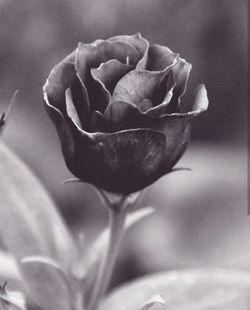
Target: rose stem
x,y
117,217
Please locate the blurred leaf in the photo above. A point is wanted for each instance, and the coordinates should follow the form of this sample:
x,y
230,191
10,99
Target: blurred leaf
x,y
50,289
213,289
156,299
12,300
36,259
31,225
28,214
8,267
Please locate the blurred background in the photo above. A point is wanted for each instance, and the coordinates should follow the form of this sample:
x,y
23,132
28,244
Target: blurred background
x,y
201,215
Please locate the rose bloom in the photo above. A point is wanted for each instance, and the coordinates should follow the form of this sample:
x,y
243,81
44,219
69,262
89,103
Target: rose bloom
x,y
116,106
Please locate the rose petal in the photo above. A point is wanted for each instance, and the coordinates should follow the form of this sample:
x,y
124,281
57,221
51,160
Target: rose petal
x,y
139,85
177,133
181,72
118,113
200,105
122,162
60,78
98,94
201,101
98,122
70,108
144,105
136,40
157,58
91,56
65,132
110,72
164,108
63,76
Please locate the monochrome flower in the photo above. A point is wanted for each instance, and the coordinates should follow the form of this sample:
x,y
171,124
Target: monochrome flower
x,y
116,104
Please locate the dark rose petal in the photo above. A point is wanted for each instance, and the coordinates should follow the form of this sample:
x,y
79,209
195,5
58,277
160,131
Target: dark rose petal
x,y
91,56
124,115
181,72
99,96
139,85
163,108
62,77
177,133
157,58
65,133
144,105
110,72
136,40
119,113
200,105
122,162
121,129
98,122
70,108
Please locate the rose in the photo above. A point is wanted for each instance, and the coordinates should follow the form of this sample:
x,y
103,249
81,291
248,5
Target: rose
x,y
116,106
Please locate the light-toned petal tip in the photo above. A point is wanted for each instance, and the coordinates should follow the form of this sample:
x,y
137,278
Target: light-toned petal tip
x,y
156,299
201,101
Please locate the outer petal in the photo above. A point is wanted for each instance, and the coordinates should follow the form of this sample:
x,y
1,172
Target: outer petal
x,y
122,162
65,132
177,133
62,77
136,40
176,128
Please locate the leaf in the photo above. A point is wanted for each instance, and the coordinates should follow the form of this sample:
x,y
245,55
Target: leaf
x,y
28,213
213,289
42,260
13,298
50,288
8,267
31,225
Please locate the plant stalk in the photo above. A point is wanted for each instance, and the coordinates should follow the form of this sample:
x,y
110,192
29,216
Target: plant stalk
x,y
117,217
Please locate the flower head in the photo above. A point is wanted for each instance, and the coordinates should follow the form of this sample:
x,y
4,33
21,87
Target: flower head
x,y
116,106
